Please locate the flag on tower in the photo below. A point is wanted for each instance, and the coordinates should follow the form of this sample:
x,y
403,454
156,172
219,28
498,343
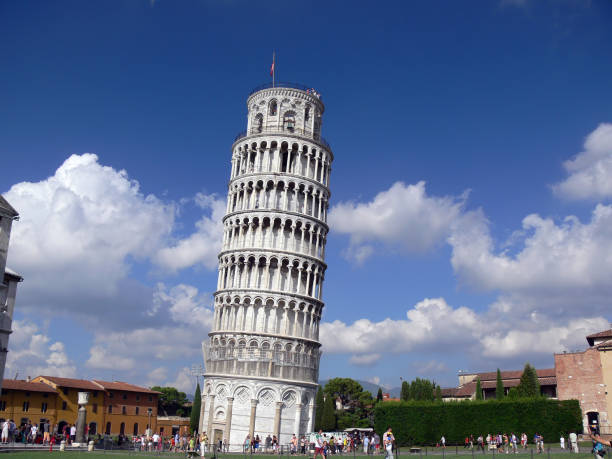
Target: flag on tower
x,y
272,68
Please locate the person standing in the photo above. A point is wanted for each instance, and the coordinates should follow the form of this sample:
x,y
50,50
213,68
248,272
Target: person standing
x,y
388,440
573,440
443,442
562,441
318,445
366,444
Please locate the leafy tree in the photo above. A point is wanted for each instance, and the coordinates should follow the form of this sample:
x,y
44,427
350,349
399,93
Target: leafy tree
x,y
422,389
499,388
478,389
171,401
319,401
357,403
438,394
405,393
529,385
194,422
328,418
379,395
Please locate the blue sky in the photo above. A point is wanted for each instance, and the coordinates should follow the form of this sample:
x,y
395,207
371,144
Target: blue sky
x,y
485,102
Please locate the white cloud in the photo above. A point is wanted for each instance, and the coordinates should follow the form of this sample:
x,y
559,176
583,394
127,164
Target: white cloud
x,y
184,381
33,353
365,360
590,172
403,216
100,358
430,367
549,263
432,323
201,247
156,376
185,304
434,326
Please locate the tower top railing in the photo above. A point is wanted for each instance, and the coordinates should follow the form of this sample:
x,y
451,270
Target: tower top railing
x,y
284,84
284,130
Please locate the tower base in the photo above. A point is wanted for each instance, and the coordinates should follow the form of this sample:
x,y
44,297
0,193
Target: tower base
x,y
236,407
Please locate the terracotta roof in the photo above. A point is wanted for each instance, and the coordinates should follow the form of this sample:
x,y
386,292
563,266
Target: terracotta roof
x,y
20,384
602,334
512,374
448,391
466,390
119,385
7,208
72,383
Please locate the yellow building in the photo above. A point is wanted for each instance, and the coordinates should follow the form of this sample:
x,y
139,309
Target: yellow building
x,y
24,401
66,406
128,409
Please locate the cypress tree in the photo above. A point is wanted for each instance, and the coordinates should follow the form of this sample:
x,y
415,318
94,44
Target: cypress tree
x,y
194,421
405,393
478,389
438,394
379,395
328,419
499,389
529,385
319,401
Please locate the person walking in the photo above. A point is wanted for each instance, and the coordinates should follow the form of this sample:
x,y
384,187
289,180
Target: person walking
x,y
388,440
573,440
318,445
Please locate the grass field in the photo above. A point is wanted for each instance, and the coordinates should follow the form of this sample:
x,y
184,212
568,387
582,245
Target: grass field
x,y
134,455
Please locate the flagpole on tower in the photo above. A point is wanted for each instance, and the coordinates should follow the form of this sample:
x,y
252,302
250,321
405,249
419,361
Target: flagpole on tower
x,y
273,70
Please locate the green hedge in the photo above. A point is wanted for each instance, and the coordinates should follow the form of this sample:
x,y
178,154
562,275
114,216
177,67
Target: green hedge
x,y
423,423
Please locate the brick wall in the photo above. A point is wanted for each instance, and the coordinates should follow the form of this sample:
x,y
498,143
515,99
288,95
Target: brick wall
x,y
580,377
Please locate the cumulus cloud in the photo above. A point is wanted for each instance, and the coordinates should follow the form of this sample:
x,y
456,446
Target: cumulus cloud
x,y
33,353
590,172
184,381
100,358
202,246
403,216
566,260
432,325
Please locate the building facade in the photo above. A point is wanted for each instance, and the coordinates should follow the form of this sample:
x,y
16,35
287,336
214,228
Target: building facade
x,y
262,355
8,281
488,384
587,377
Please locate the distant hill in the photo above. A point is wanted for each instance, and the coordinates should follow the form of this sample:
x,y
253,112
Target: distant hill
x,y
394,392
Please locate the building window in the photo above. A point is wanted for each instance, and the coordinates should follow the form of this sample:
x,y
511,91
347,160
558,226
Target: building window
x,y
65,390
95,394
137,410
124,396
27,394
4,391
111,395
108,428
135,428
122,428
26,406
45,395
64,406
3,405
138,398
94,408
44,407
93,427
110,409
123,410
273,108
150,398
307,114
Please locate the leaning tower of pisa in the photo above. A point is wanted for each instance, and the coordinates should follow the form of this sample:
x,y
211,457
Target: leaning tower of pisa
x,y
262,355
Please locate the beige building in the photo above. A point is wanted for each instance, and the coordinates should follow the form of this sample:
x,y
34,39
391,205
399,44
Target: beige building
x,y
587,377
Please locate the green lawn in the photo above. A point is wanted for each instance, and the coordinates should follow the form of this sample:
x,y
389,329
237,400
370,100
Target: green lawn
x,y
134,455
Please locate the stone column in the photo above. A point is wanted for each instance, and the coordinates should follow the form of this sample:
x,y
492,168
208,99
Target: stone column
x,y
252,419
201,423
228,419
311,415
298,419
83,398
277,419
211,413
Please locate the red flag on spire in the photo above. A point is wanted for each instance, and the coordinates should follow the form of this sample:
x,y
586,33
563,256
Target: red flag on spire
x,y
272,68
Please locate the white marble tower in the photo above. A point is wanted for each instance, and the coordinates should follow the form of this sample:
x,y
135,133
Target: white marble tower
x,y
262,355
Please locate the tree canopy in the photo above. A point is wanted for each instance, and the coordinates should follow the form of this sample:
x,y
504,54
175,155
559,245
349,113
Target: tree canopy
x,y
194,422
420,389
357,403
499,388
478,389
319,402
171,401
529,386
